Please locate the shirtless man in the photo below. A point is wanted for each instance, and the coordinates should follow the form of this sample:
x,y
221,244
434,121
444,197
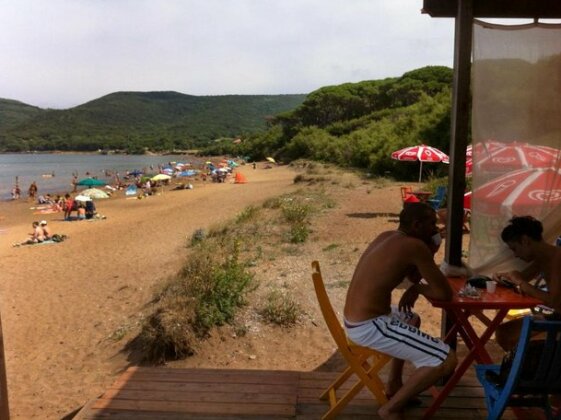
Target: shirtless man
x,y
371,320
523,235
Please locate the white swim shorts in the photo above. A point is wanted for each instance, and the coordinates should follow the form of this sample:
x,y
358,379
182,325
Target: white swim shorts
x,y
392,335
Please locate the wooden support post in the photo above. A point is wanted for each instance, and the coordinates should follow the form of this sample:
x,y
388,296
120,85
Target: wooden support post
x,y
4,407
459,131
458,142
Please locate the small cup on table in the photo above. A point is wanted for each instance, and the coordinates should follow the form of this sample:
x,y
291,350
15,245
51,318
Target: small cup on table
x,y
491,286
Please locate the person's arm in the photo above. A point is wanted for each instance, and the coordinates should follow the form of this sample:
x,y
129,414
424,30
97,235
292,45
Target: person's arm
x,y
437,286
551,298
529,273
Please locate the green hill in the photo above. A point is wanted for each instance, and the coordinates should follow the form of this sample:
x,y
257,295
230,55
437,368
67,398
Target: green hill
x,y
153,120
14,113
360,124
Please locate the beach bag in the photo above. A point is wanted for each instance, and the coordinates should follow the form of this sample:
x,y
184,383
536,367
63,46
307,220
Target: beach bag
x,y
58,238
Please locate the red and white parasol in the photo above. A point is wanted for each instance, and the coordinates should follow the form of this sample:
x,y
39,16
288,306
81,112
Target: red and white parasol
x,y
528,191
483,148
421,153
516,155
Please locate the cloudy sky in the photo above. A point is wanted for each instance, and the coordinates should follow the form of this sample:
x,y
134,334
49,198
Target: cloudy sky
x,y
61,53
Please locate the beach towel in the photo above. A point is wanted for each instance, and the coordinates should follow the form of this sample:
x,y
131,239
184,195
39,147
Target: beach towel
x,y
46,211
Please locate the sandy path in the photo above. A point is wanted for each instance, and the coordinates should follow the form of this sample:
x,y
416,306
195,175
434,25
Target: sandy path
x,y
61,303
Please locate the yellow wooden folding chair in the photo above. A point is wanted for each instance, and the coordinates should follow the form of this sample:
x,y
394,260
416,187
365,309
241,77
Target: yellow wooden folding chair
x,y
364,362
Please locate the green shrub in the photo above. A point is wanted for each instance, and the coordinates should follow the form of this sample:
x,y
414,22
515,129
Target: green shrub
x,y
294,212
205,293
281,309
299,232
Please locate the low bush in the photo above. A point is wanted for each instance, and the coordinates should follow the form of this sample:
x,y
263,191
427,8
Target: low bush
x,y
281,309
204,294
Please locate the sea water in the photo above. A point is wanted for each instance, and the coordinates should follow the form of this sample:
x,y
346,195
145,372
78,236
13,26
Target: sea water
x,y
54,172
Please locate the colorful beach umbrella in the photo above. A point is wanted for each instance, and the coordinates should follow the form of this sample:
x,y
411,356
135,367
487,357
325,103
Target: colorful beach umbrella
x,y
94,193
91,182
160,177
421,153
527,191
515,156
82,198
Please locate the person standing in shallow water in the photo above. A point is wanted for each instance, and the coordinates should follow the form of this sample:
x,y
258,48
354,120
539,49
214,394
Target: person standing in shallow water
x,y
32,191
371,321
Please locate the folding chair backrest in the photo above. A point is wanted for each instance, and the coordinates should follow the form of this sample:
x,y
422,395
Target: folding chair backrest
x,y
333,323
440,192
438,199
546,379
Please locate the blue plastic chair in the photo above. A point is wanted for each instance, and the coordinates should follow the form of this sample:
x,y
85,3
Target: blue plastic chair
x,y
436,201
530,391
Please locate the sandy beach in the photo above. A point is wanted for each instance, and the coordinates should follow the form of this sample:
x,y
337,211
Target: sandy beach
x,y
62,305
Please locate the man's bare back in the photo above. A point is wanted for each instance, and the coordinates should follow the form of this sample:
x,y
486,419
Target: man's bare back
x,y
381,269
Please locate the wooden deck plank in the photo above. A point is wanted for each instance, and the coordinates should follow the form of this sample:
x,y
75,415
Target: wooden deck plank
x,y
226,376
241,396
151,415
213,408
202,387
212,394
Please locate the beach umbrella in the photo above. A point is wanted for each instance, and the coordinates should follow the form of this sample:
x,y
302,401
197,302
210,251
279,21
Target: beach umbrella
x,y
91,182
483,147
516,155
527,191
160,177
270,159
94,193
82,198
421,153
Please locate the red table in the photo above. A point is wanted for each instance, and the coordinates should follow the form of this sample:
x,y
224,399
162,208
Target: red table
x,y
459,309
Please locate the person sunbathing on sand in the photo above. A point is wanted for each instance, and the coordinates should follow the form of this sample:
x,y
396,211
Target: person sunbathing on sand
x,y
35,237
371,321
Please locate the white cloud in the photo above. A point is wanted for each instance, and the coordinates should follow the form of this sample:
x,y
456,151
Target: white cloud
x,y
62,53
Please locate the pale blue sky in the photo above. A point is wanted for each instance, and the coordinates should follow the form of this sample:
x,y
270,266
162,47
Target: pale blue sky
x,y
61,53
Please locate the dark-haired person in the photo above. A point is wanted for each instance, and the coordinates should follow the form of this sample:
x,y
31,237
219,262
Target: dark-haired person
x,y
371,320
523,235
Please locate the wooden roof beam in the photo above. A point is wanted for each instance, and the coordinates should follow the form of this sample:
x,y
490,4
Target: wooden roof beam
x,y
530,9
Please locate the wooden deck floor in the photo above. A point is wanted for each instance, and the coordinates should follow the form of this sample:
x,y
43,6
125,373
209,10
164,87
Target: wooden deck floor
x,y
160,393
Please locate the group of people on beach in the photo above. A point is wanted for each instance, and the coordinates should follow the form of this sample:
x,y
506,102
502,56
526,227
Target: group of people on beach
x,y
41,232
84,209
408,253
